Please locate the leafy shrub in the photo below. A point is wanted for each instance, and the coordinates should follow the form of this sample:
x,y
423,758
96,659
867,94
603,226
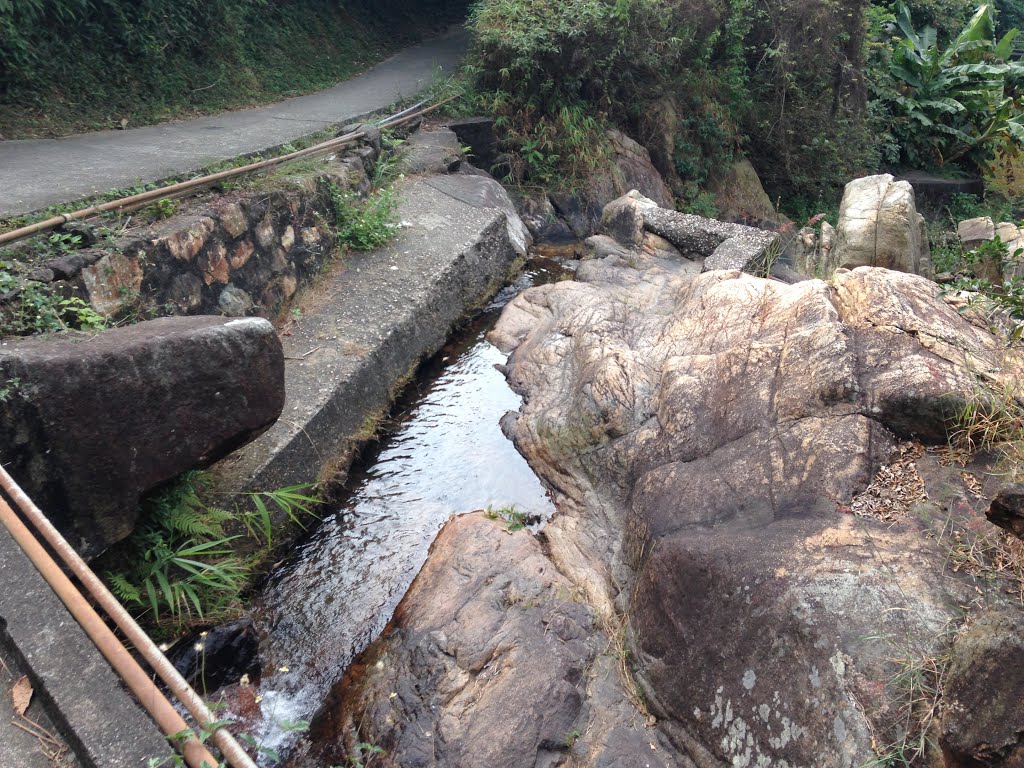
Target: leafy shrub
x,y
30,307
955,102
556,74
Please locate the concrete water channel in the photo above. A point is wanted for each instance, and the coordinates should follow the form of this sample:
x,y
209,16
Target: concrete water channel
x,y
440,453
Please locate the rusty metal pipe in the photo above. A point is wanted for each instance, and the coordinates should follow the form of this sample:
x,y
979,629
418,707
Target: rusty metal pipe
x,y
233,752
162,711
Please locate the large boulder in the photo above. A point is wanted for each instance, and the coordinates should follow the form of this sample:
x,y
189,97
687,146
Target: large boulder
x,y
708,439
740,197
93,421
629,168
490,660
879,226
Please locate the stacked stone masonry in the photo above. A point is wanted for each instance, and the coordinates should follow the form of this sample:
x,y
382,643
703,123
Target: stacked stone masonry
x,y
242,253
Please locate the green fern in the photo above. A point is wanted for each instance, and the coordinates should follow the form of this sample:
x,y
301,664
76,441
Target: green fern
x,y
180,566
124,589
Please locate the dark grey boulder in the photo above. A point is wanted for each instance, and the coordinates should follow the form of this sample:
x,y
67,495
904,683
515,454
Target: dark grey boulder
x,y
478,134
982,718
1007,510
93,421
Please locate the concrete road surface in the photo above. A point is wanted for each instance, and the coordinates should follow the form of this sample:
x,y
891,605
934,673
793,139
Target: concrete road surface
x,y
35,173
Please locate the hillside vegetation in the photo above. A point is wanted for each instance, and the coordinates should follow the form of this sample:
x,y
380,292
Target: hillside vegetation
x,y
814,91
74,65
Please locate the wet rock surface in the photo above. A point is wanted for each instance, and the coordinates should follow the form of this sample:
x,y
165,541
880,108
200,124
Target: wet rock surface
x,y
94,420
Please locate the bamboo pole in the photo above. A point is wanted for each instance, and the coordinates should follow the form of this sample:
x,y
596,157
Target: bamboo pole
x,y
162,711
226,743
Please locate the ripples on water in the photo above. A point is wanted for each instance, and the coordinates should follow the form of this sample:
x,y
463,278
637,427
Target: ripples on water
x,y
443,453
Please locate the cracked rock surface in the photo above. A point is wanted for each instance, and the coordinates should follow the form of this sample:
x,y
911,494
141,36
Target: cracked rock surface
x,y
707,595
705,434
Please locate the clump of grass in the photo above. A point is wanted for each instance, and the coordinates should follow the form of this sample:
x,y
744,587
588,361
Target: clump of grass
x,y
917,687
991,420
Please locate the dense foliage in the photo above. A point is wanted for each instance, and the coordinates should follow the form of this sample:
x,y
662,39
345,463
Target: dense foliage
x,y
817,91
76,64
955,101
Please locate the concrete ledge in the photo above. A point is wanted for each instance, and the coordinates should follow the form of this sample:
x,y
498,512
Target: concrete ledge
x,y
723,245
84,699
369,323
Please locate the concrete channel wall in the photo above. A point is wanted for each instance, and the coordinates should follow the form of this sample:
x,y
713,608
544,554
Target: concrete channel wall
x,y
366,327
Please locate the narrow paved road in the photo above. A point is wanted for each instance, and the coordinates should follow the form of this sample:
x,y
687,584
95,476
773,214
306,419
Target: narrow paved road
x,y
35,173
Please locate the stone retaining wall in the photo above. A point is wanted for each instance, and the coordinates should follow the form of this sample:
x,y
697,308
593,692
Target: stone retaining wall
x,y
241,253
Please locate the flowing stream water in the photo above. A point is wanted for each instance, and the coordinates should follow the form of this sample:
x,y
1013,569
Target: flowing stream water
x,y
441,453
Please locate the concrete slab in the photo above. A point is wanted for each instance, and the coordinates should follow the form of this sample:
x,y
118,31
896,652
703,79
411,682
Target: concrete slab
x,y
367,325
18,747
82,698
40,172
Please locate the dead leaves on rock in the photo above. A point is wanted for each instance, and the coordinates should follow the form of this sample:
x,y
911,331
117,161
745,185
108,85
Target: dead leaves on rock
x,y
896,488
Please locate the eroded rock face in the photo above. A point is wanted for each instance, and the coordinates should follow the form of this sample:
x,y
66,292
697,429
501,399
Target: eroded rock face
x,y
879,226
492,659
706,435
630,168
92,421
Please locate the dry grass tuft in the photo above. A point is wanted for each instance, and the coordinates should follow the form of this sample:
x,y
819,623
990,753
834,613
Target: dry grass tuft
x,y
977,547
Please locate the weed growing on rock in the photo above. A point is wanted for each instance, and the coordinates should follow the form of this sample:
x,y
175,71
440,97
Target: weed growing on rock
x,y
516,520
362,754
918,688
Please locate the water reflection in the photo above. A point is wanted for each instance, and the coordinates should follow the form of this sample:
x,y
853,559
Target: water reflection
x,y
442,454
